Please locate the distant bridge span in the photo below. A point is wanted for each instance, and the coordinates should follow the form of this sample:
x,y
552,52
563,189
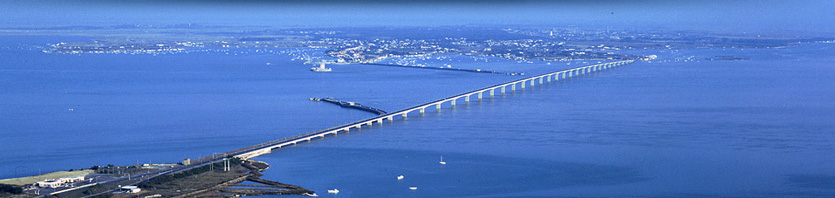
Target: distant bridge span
x,y
267,147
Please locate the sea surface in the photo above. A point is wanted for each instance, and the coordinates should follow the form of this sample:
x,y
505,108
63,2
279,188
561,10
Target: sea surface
x,y
677,126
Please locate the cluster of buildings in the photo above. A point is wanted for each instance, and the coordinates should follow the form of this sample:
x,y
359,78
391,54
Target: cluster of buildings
x,y
61,182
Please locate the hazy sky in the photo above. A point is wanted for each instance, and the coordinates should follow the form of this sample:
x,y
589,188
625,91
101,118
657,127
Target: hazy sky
x,y
768,15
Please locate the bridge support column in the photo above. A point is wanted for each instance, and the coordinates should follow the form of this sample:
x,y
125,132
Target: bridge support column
x,y
513,87
523,84
452,102
479,95
380,121
503,90
467,98
422,110
390,118
492,92
405,115
438,106
540,80
549,78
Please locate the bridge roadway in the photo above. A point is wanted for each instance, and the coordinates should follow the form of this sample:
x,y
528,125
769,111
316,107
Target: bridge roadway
x,y
267,147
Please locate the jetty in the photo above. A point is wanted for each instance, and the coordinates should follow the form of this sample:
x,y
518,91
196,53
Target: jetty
x,y
448,68
352,105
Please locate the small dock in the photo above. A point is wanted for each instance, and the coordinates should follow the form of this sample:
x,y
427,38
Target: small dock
x,y
447,68
353,105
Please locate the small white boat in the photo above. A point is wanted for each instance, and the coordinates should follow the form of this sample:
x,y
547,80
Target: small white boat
x,y
442,160
334,191
311,195
321,68
400,177
413,188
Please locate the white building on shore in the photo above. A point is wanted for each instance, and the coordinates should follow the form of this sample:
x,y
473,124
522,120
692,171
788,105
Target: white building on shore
x,y
59,182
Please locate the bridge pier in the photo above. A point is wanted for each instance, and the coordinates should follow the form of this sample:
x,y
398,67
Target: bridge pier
x,y
503,89
540,80
492,92
405,115
523,84
452,102
390,118
549,78
467,98
438,106
513,87
479,95
422,110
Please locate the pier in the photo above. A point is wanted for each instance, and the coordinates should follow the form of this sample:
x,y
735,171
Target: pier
x,y
352,105
447,68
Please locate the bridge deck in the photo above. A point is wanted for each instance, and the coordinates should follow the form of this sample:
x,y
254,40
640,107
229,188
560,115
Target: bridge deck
x,y
266,147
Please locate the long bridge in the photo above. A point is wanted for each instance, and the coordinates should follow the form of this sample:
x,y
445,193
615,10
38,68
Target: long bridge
x,y
267,147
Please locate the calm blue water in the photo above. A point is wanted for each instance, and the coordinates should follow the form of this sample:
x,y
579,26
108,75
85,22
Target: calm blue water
x,y
756,128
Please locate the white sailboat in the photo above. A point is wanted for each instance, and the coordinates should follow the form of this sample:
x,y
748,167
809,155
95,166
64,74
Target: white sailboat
x,y
442,160
400,177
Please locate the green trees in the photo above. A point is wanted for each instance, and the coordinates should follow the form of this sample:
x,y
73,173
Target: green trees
x,y
5,188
